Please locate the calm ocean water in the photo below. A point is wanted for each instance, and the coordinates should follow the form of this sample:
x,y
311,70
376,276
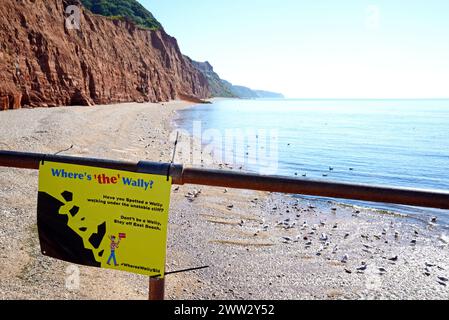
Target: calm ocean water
x,y
386,142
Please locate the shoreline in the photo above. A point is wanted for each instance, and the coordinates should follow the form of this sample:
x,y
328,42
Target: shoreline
x,y
257,245
411,213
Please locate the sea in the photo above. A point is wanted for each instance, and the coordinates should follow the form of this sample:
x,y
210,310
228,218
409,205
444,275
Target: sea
x,y
401,143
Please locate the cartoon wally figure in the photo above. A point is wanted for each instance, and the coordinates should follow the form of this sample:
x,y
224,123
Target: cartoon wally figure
x,y
114,246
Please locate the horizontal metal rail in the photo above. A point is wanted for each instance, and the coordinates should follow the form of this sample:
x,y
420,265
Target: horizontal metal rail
x,y
229,179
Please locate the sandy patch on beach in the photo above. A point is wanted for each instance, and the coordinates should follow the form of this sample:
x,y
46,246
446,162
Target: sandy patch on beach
x,y
266,246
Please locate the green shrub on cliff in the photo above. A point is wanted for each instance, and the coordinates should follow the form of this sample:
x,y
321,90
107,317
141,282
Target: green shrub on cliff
x,y
129,9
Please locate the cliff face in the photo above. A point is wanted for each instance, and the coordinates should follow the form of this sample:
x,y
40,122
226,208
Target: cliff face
x,y
218,87
42,63
225,89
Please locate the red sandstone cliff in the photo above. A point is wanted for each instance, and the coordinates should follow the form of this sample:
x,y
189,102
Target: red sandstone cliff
x,y
107,61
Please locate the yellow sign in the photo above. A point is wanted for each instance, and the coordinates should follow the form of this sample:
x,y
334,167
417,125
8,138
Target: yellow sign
x,y
104,218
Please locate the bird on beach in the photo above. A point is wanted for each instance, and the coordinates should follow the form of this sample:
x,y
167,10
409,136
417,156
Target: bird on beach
x,y
363,267
345,258
394,259
324,237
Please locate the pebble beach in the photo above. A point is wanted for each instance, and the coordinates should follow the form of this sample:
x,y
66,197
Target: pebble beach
x,y
256,245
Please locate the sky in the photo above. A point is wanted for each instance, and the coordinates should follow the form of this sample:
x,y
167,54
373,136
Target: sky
x,y
320,48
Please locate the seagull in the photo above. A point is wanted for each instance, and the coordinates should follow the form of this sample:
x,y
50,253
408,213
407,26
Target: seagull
x,y
394,258
362,267
444,238
345,258
324,237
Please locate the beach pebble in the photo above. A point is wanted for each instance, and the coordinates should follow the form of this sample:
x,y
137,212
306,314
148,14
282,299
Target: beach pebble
x,y
231,206
383,270
442,283
347,235
444,279
348,271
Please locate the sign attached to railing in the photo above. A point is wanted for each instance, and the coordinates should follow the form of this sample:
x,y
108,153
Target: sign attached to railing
x,y
104,218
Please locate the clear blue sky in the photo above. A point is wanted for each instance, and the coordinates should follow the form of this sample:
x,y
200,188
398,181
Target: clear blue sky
x,y
319,48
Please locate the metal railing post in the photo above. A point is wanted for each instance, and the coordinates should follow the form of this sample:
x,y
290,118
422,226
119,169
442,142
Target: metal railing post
x,y
156,289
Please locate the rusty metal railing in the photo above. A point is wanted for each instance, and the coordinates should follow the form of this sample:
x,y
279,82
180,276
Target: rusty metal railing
x,y
229,179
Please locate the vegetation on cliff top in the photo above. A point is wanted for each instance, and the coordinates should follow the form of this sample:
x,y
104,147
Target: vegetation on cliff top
x,y
128,9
